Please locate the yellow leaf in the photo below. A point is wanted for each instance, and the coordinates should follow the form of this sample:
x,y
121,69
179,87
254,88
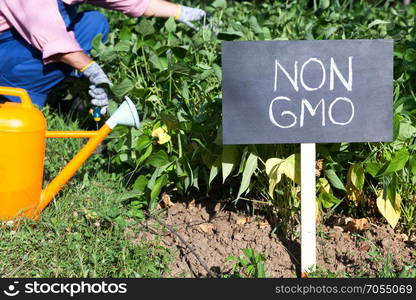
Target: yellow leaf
x,y
318,213
354,194
324,186
164,138
356,175
272,165
157,132
390,212
291,168
161,135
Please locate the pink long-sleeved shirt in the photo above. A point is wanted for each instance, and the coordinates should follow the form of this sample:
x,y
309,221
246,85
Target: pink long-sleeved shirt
x,y
40,23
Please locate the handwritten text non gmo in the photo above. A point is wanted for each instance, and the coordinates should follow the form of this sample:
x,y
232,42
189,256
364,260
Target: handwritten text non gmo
x,y
325,109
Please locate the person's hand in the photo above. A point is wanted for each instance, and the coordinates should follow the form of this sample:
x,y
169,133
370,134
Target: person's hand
x,y
188,14
97,78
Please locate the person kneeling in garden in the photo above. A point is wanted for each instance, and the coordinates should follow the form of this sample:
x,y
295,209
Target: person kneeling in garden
x,y
42,42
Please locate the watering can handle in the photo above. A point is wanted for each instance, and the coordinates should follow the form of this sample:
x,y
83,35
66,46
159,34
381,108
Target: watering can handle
x,y
17,92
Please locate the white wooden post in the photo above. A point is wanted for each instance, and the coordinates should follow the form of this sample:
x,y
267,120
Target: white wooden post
x,y
308,207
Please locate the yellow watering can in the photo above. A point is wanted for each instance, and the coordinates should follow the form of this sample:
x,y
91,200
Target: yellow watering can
x,y
22,152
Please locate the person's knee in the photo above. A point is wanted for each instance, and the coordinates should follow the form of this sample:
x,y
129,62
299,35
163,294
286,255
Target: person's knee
x,y
97,23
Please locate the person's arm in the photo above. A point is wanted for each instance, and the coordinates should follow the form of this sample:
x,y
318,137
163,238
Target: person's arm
x,y
166,9
162,9
152,8
45,31
77,60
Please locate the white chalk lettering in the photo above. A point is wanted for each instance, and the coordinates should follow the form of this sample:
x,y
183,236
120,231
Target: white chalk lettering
x,y
311,110
308,88
271,115
332,105
293,80
334,69
327,113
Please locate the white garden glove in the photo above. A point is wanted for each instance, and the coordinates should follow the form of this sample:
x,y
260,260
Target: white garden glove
x,y
97,77
187,14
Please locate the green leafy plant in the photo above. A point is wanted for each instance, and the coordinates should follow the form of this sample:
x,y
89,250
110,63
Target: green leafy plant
x,y
174,75
249,266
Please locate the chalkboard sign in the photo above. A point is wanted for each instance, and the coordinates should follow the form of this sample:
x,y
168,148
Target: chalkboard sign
x,y
307,91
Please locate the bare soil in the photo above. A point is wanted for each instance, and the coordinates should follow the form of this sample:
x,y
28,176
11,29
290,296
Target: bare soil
x,y
216,232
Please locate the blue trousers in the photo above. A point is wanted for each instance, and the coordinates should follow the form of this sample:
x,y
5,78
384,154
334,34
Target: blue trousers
x,y
21,64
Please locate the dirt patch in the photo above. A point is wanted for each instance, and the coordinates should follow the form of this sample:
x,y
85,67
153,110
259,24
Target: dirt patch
x,y
216,233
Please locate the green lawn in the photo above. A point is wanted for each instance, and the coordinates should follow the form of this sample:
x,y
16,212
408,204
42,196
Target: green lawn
x,y
82,233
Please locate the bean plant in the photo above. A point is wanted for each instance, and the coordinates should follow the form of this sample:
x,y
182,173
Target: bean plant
x,y
173,74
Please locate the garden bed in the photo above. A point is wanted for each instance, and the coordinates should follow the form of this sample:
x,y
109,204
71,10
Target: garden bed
x,y
216,232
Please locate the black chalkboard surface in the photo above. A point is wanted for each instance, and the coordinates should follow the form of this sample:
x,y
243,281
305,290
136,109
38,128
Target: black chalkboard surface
x,y
307,91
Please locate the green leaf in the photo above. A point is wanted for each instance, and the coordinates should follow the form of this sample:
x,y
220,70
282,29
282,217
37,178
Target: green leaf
x,y
125,34
410,55
159,63
123,88
377,22
391,189
230,158
356,175
158,159
219,4
170,25
327,200
108,54
203,66
180,52
123,157
334,179
396,125
215,168
128,195
330,30
250,167
260,270
324,4
397,163
123,46
143,142
248,252
373,168
112,106
140,184
406,131
145,27
230,36
413,164
97,43
145,155
157,188
254,25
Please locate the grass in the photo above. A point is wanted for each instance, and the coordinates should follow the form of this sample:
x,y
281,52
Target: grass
x,y
86,232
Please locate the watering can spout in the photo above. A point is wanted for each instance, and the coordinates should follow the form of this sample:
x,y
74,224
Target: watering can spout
x,y
126,114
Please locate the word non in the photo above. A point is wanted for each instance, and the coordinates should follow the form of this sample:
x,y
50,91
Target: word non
x,y
333,70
